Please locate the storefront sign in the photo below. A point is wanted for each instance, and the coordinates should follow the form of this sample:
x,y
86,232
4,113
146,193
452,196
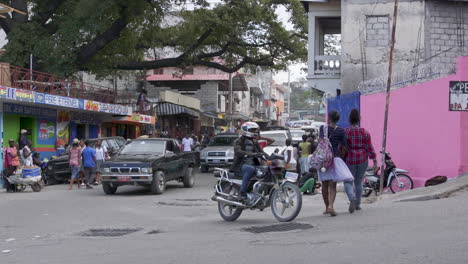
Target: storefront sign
x,y
3,92
39,98
106,108
145,119
458,95
62,101
63,127
29,110
84,118
23,95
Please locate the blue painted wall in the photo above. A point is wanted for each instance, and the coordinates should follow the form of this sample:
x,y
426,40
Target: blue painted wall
x,y
344,104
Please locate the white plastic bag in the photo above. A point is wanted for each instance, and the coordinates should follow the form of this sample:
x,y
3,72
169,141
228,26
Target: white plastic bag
x,y
342,172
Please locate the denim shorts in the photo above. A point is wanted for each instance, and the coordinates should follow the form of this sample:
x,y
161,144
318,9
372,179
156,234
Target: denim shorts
x,y
99,164
75,170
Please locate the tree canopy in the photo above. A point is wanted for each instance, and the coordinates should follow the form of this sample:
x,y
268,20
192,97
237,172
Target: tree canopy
x,y
104,36
303,98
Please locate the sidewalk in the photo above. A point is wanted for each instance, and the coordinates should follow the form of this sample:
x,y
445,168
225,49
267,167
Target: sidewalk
x,y
433,192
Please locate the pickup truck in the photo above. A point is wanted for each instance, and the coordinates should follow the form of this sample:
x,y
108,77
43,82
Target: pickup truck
x,y
151,163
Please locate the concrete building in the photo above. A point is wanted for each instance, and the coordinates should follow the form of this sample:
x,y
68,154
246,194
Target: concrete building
x,y
429,36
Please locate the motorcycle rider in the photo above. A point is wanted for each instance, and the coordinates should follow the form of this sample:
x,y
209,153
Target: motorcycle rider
x,y
246,148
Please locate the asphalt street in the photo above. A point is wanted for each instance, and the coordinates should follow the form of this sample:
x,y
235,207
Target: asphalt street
x,y
183,226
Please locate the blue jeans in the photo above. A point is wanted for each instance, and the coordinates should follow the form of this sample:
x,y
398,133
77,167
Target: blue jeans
x,y
358,172
349,189
247,172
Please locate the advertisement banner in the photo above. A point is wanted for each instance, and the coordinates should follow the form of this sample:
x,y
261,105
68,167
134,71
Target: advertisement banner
x,y
23,95
29,110
46,131
63,127
458,92
61,101
3,92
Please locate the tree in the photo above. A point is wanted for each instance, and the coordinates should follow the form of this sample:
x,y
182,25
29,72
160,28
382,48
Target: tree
x,y
104,36
303,97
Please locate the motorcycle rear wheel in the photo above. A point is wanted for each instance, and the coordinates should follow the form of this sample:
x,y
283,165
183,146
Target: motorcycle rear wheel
x,y
366,188
228,212
405,183
287,197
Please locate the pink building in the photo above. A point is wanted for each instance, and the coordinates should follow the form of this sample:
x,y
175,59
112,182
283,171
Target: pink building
x,y
424,137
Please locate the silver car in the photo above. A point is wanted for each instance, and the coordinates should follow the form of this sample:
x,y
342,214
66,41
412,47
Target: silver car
x,y
219,152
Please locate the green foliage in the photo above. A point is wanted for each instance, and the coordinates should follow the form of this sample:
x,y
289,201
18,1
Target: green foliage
x,y
303,97
105,36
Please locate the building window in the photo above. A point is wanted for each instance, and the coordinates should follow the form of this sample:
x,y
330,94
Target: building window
x,y
377,31
159,71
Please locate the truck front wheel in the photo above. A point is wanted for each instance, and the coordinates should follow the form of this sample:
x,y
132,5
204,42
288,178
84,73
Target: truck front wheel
x,y
158,185
109,189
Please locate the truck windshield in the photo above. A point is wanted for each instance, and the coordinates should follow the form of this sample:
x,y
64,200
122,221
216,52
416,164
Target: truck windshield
x,y
142,147
222,141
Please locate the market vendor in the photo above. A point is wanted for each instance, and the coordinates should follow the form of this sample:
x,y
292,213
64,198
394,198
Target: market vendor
x,y
12,163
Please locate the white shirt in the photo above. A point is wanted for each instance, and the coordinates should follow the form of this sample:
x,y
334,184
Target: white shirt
x,y
188,143
29,160
293,160
101,153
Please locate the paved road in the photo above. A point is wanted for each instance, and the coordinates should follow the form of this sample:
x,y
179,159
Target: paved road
x,y
46,227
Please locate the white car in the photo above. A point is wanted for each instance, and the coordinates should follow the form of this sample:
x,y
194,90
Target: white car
x,y
280,137
296,135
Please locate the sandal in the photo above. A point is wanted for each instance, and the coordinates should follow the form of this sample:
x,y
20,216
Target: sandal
x,y
326,212
332,212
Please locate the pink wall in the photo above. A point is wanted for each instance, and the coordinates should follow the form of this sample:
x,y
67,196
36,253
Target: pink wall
x,y
424,137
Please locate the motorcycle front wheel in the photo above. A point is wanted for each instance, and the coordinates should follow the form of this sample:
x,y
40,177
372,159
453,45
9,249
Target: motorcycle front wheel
x,y
366,188
286,202
403,183
228,212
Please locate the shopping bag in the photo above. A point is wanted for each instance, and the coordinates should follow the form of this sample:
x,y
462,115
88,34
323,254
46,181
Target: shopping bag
x,y
342,172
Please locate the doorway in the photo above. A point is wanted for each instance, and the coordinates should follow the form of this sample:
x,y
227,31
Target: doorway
x,y
28,124
81,131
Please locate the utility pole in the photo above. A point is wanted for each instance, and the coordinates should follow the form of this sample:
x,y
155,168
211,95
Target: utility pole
x,y
387,101
230,101
289,94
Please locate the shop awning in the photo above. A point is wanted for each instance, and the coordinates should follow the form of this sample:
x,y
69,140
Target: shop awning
x,y
166,109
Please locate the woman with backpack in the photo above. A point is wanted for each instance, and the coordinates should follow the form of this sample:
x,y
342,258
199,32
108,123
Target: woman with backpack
x,y
337,170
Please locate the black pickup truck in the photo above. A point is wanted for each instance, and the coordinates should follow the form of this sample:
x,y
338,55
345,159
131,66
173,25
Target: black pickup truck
x,y
149,162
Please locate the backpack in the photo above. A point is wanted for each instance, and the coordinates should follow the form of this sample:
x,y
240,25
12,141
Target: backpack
x,y
322,158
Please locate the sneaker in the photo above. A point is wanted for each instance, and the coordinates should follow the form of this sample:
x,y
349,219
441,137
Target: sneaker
x,y
95,183
243,197
352,206
89,187
358,208
82,184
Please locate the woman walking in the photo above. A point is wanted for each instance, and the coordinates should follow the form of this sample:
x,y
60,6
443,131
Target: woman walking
x,y
335,173
360,150
74,157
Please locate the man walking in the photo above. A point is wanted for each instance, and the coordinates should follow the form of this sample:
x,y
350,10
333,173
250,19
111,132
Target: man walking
x,y
187,142
89,164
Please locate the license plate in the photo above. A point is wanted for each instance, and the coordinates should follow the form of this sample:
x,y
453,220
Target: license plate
x,y
124,179
216,161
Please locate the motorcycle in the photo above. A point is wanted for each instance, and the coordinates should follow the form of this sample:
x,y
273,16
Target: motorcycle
x,y
271,186
395,178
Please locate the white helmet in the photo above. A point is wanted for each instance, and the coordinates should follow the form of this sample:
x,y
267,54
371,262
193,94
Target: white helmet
x,y
250,129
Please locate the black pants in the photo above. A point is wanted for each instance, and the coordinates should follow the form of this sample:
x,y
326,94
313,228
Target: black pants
x,y
7,173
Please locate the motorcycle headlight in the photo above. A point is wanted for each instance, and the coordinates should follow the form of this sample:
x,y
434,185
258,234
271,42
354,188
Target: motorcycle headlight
x,y
146,170
106,170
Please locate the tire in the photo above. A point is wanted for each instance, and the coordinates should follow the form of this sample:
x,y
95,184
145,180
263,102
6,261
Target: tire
x,y
158,185
228,212
36,187
291,193
51,180
366,189
189,178
406,183
109,189
204,168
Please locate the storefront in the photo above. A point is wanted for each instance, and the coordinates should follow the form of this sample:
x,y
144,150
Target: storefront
x,y
177,120
129,127
74,124
39,122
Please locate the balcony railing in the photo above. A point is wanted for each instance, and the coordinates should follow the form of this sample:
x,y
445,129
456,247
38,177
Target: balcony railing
x,y
16,77
327,65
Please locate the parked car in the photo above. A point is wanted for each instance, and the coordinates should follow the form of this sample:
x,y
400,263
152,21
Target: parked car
x,y
219,152
58,169
151,163
280,137
296,135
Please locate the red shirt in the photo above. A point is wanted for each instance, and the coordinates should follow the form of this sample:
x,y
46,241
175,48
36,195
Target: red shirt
x,y
359,145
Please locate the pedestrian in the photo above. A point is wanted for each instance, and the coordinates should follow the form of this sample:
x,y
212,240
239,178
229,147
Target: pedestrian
x,y
26,154
101,156
196,144
360,150
187,143
74,159
289,158
335,172
22,139
89,164
12,162
305,148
